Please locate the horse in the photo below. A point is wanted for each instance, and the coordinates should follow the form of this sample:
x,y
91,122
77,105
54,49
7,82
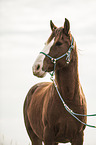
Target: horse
x,y
46,118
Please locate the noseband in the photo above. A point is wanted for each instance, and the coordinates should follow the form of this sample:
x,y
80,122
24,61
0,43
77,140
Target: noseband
x,y
54,60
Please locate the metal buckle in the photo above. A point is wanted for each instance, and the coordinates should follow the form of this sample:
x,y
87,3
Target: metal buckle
x,y
53,60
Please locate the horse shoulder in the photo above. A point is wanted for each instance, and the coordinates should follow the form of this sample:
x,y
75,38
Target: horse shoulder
x,y
36,104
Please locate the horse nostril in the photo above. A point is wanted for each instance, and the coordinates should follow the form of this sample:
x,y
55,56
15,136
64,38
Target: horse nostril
x,y
38,67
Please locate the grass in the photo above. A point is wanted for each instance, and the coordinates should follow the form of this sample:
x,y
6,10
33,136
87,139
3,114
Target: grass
x,y
6,141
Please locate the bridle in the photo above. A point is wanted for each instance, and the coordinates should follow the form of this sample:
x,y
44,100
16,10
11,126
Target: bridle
x,y
54,61
67,54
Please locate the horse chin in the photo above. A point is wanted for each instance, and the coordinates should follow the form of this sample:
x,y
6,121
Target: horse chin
x,y
40,74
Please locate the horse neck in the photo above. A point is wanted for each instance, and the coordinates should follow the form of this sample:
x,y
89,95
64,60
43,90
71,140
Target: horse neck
x,y
67,80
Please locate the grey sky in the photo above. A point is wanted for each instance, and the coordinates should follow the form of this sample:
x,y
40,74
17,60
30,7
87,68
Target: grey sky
x,y
24,28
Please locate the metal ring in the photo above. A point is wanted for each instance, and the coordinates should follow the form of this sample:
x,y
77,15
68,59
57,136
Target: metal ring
x,y
53,60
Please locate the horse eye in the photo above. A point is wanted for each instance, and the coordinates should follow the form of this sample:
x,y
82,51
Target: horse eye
x,y
58,43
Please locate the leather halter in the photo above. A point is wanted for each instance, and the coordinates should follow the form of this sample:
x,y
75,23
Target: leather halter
x,y
66,54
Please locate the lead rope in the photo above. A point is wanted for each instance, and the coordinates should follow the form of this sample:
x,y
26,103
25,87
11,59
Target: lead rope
x,y
67,54
69,110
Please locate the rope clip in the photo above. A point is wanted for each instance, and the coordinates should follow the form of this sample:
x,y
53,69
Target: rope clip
x,y
53,60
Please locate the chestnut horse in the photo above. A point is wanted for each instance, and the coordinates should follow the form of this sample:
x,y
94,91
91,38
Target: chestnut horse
x,y
46,118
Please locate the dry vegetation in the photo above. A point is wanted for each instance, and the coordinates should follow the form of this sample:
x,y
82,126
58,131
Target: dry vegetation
x,y
6,141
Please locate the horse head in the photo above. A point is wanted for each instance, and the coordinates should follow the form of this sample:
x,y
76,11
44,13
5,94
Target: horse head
x,y
57,45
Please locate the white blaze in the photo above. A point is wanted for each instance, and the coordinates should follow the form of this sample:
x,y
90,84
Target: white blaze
x,y
38,64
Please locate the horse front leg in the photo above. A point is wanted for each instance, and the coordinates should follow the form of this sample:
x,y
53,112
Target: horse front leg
x,y
78,140
49,136
55,144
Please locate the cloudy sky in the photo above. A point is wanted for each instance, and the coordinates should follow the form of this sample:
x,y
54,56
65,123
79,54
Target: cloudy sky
x,y
24,28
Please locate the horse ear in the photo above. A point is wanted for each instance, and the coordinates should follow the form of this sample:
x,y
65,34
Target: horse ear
x,y
53,27
66,26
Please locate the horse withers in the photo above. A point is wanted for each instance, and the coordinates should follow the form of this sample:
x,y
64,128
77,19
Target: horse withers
x,y
45,116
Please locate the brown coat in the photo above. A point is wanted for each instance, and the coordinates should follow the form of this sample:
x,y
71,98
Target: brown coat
x,y
45,116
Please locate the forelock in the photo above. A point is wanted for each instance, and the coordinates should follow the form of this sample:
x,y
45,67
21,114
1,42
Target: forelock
x,y
55,34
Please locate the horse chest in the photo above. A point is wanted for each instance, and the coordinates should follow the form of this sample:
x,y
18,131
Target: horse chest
x,y
64,126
